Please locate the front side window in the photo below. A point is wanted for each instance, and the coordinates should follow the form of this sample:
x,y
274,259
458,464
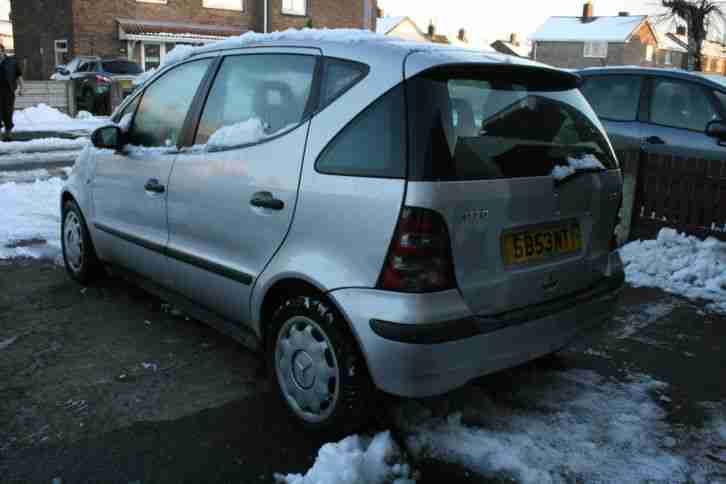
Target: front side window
x,y
596,50
294,7
255,96
678,104
373,144
615,98
163,108
465,127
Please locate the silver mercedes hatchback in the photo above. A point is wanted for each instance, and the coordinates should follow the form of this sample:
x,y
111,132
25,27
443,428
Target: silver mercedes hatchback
x,y
372,215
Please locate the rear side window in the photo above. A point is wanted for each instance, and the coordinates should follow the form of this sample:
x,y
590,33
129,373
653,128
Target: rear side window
x,y
469,128
615,98
680,104
121,67
373,144
340,75
255,96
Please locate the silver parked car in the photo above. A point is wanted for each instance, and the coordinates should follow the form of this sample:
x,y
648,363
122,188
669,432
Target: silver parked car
x,y
373,215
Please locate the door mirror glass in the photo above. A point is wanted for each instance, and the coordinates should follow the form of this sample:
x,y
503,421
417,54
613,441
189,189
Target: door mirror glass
x,y
64,71
108,138
717,129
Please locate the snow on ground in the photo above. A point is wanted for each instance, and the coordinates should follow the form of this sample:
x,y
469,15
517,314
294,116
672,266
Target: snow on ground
x,y
679,264
356,460
572,426
42,145
45,118
30,219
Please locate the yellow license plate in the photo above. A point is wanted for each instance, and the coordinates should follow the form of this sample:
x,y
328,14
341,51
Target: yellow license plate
x,y
126,84
539,244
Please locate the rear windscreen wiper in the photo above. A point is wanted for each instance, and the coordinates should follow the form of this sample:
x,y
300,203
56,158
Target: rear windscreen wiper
x,y
576,174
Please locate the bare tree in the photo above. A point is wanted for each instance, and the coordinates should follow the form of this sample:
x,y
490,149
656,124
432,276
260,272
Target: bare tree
x,y
700,16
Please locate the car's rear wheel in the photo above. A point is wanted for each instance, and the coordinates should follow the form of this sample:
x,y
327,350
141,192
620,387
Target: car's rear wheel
x,y
79,256
316,367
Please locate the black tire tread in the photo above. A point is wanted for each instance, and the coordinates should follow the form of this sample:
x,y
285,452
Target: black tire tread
x,y
92,267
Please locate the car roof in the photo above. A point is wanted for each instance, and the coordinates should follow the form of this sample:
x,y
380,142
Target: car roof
x,y
363,46
712,81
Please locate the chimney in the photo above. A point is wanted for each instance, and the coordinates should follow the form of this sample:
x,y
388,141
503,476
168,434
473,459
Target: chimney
x,y
462,35
514,39
432,29
623,14
588,10
681,31
380,12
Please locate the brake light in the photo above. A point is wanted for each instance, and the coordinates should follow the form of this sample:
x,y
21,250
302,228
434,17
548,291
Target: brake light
x,y
419,259
102,79
614,239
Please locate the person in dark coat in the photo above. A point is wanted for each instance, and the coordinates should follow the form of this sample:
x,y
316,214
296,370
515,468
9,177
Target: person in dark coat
x,y
11,83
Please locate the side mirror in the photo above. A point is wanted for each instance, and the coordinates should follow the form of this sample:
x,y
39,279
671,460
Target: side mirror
x,y
717,129
108,138
64,72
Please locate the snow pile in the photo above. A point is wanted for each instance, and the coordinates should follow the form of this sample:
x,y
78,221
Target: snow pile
x,y
30,219
250,131
356,460
84,115
679,264
125,122
42,145
45,118
588,162
573,426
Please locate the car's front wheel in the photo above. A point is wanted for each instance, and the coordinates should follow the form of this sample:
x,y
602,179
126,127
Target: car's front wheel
x,y
79,256
317,368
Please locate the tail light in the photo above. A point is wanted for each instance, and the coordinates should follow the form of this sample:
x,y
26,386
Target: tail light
x,y
102,79
614,239
419,259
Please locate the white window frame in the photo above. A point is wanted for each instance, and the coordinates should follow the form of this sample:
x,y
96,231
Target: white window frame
x,y
225,5
292,7
60,50
595,50
649,53
668,60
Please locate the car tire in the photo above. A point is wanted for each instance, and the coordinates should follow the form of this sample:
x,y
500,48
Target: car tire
x,y
316,368
79,255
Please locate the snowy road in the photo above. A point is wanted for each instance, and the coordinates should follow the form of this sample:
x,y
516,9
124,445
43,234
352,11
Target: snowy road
x,y
103,385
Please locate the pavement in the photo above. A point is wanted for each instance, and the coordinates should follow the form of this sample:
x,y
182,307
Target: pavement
x,y
109,384
40,158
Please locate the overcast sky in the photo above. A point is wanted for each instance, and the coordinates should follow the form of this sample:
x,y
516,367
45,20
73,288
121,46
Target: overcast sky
x,y
4,9
496,19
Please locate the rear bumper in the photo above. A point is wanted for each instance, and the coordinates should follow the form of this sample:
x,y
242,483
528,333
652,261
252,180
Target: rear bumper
x,y
423,345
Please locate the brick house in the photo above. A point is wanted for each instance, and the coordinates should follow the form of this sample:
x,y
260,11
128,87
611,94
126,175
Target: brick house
x,y
50,32
400,27
590,41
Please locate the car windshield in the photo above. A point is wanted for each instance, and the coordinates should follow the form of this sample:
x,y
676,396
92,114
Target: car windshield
x,y
472,129
121,67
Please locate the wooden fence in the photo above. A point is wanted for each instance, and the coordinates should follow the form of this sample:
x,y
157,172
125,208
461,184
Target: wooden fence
x,y
683,193
56,94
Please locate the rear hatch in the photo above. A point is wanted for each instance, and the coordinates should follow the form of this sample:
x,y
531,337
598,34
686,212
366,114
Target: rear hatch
x,y
123,71
518,165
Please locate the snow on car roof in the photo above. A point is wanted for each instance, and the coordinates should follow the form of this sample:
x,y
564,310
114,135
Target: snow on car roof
x,y
598,29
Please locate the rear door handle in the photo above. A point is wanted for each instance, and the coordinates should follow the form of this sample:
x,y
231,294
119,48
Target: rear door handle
x,y
654,140
266,200
154,186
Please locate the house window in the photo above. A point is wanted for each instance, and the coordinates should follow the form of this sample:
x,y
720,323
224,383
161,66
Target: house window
x,y
649,53
668,58
597,50
61,51
237,5
294,7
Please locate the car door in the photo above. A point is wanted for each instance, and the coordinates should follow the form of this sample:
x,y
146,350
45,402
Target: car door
x,y
232,196
129,187
678,113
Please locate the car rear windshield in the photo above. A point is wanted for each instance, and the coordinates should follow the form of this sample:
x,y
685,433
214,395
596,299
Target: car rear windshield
x,y
471,125
121,67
